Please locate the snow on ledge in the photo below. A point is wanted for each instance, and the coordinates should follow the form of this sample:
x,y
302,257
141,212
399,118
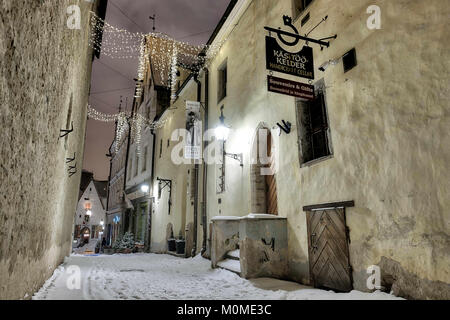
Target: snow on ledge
x,y
249,216
225,218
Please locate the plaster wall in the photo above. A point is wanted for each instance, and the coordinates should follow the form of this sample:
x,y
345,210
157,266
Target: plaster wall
x,y
389,120
44,83
182,211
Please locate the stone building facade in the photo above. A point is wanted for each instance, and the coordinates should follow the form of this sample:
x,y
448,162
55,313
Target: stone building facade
x,y
91,212
386,131
45,71
377,174
116,205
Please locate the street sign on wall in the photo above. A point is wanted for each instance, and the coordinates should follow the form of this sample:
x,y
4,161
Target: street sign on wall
x,y
291,88
300,64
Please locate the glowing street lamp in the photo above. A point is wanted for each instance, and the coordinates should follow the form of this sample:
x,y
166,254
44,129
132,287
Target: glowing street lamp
x,y
222,131
145,188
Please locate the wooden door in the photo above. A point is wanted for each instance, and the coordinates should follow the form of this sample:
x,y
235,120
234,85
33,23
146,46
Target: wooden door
x,y
271,184
328,249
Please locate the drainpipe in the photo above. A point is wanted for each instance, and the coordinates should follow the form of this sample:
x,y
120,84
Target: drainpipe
x,y
126,166
152,175
196,166
205,169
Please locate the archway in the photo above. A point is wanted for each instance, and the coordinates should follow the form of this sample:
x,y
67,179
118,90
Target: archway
x,y
85,235
263,179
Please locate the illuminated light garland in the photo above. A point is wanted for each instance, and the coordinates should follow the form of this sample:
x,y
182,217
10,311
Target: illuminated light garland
x,y
166,55
138,122
160,48
174,72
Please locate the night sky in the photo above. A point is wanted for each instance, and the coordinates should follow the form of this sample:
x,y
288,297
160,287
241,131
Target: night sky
x,y
191,21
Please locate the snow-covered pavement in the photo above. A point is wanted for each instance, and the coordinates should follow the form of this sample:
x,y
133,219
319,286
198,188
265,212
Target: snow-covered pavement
x,y
154,276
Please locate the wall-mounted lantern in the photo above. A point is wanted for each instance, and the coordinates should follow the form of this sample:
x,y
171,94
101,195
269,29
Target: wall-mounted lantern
x,y
145,188
222,131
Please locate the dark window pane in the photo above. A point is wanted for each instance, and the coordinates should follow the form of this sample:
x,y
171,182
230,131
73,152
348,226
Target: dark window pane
x,y
349,60
319,140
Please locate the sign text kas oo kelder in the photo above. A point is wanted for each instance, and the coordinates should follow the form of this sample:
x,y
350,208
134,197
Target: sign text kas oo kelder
x,y
300,64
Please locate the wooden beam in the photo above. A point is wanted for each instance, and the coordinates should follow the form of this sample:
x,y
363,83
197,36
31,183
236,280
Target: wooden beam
x,y
344,204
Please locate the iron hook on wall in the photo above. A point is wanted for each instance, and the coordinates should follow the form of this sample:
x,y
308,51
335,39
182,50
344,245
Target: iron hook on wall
x,y
65,132
69,160
286,127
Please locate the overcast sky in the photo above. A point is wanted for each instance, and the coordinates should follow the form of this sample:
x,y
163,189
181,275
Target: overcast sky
x,y
192,21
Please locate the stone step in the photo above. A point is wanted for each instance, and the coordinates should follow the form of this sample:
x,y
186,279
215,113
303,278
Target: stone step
x,y
174,253
231,265
233,255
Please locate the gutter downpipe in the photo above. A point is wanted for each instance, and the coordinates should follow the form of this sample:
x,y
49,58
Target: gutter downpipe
x,y
196,166
150,207
126,166
205,168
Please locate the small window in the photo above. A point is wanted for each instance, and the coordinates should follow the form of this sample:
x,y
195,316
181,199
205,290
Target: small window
x,y
300,6
305,19
349,60
160,148
222,83
136,165
144,163
313,129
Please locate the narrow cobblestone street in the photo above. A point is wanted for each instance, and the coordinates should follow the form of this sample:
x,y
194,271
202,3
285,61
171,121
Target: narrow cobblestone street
x,y
155,276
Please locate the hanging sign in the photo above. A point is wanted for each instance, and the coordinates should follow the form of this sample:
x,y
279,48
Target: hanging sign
x,y
192,149
290,88
300,64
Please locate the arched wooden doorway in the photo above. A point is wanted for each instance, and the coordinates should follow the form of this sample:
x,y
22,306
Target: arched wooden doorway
x,y
263,179
271,184
85,235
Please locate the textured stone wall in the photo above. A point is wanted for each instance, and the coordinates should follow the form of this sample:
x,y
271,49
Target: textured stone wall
x,y
44,83
389,120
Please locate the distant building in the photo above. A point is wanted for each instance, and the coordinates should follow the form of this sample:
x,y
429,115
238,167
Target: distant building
x,y
91,212
115,199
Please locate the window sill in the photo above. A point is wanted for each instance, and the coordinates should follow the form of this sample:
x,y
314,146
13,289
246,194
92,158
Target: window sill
x,y
316,161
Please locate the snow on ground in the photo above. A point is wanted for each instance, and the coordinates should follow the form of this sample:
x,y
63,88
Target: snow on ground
x,y
90,246
157,276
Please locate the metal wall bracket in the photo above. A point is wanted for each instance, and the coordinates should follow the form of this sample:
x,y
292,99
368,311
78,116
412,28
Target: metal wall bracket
x,y
65,132
236,156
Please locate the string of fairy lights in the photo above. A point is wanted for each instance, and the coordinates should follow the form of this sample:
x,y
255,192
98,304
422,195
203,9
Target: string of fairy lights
x,y
164,53
123,120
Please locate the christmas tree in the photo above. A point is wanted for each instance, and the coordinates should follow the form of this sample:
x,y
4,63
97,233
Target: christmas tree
x,y
127,241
